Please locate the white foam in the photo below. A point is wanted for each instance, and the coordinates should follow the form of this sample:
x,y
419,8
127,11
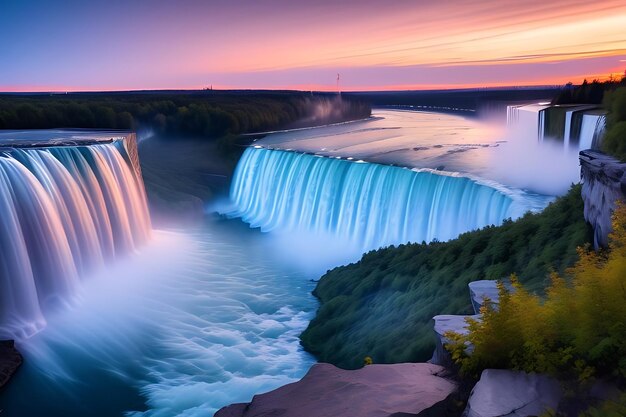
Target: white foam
x,y
194,322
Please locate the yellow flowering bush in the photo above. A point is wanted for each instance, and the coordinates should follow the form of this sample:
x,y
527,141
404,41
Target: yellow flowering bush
x,y
577,331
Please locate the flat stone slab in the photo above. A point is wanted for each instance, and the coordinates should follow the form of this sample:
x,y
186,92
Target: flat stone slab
x,y
404,389
504,393
445,323
10,360
455,323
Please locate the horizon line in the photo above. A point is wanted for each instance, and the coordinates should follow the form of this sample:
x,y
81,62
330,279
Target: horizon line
x,y
328,91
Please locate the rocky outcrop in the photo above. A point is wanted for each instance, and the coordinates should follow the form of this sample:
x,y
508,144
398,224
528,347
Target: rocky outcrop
x,y
130,143
486,289
10,360
604,183
503,393
481,290
443,324
398,390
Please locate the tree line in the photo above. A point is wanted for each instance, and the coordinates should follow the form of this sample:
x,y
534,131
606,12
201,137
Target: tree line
x,y
205,114
587,92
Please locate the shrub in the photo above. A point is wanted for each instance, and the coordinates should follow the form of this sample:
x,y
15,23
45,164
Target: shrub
x,y
577,332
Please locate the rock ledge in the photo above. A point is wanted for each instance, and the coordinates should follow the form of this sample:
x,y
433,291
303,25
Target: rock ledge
x,y
398,390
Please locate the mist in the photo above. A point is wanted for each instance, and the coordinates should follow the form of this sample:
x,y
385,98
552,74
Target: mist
x,y
523,162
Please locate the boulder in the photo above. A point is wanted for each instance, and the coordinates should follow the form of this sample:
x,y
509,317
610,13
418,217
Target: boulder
x,y
501,393
405,389
479,290
443,324
10,360
486,288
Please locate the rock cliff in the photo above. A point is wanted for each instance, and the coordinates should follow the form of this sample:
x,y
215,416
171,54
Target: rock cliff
x,y
604,183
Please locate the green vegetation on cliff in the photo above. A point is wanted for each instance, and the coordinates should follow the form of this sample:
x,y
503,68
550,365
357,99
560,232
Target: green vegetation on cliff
x,y
614,142
382,306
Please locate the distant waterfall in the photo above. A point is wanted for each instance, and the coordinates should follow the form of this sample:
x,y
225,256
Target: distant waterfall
x,y
591,130
367,204
526,121
65,210
577,126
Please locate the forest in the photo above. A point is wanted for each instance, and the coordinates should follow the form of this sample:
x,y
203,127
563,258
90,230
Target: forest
x,y
199,114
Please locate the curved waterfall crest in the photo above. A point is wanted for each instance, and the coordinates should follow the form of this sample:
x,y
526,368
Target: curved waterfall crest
x,y
66,210
370,205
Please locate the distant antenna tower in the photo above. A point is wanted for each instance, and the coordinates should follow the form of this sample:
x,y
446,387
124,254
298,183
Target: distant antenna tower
x,y
338,90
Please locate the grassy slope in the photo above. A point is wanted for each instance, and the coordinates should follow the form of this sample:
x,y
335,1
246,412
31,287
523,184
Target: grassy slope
x,y
382,305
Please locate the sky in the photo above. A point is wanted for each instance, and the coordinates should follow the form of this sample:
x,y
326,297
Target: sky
x,y
81,45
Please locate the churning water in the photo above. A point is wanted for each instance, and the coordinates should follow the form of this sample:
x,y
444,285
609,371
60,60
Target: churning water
x,y
114,318
196,320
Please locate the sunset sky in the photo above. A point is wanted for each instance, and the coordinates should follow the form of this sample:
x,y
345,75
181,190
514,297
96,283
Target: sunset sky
x,y
375,45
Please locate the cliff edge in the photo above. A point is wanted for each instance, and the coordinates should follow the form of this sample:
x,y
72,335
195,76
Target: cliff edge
x,y
604,183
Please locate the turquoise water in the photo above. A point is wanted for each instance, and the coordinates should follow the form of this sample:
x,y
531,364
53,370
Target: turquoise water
x,y
365,205
191,322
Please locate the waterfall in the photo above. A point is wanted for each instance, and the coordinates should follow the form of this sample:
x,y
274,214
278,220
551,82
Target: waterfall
x,y
66,210
567,131
526,121
599,132
578,126
366,204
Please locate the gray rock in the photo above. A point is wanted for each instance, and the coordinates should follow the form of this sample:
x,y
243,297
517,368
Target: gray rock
x,y
443,324
504,393
406,389
479,290
10,361
604,183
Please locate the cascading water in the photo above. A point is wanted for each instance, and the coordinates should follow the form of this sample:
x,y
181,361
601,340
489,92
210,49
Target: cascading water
x,y
192,321
592,130
531,118
370,205
65,210
581,127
